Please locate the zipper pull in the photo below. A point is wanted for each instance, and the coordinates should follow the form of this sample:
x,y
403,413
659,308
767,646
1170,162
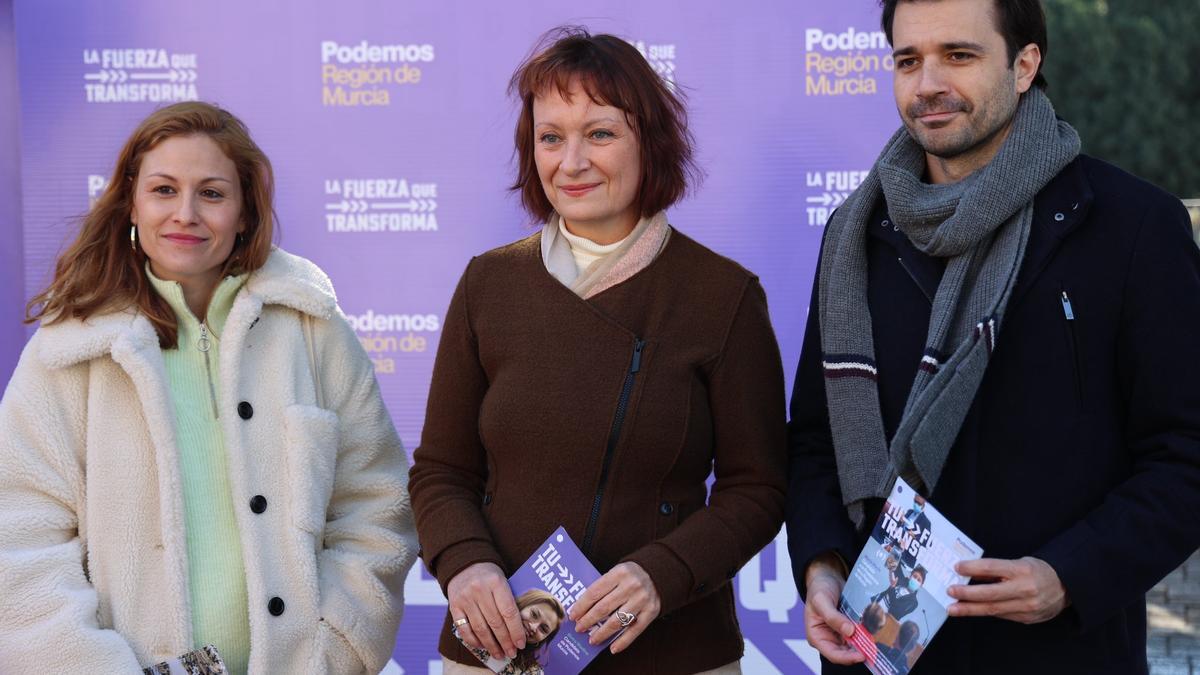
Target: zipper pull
x,y
1067,311
203,344
637,356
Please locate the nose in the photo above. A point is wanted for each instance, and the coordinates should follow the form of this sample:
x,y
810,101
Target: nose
x,y
932,80
185,209
575,157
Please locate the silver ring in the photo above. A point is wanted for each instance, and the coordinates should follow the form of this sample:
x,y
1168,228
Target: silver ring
x,y
460,622
626,618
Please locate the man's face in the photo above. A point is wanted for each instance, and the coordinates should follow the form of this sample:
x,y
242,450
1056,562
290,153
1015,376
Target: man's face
x,y
955,87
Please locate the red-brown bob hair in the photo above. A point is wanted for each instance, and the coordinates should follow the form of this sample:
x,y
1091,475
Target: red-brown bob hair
x,y
101,272
612,72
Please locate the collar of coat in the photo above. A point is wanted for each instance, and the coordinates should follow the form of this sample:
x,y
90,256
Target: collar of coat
x,y
1061,207
285,279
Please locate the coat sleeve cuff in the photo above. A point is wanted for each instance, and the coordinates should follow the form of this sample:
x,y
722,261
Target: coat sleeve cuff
x,y
807,541
1072,554
457,557
671,576
800,568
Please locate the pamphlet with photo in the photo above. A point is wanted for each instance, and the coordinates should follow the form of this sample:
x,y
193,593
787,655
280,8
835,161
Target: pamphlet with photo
x,y
545,587
896,593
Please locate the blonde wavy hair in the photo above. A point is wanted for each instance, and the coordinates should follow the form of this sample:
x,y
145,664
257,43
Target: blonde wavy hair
x,y
529,656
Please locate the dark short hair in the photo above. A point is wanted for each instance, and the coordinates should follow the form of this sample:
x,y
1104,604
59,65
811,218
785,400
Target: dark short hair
x,y
612,72
1019,22
920,569
874,618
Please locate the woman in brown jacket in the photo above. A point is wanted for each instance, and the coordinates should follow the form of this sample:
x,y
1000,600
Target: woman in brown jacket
x,y
593,375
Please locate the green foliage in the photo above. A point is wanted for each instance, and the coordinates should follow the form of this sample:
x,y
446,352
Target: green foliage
x,y
1126,74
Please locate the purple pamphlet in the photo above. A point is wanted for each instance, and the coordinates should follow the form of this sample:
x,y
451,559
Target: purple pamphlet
x,y
545,587
896,593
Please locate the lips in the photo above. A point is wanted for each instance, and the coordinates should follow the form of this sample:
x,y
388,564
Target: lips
x,y
936,116
938,109
179,238
578,189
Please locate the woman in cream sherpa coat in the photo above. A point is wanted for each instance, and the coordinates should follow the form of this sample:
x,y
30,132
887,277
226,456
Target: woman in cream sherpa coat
x,y
93,557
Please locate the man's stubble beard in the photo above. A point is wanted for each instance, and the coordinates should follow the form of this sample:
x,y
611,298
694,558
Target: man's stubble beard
x,y
997,115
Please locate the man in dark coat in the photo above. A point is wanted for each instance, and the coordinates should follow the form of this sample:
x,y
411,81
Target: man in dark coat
x,y
1063,433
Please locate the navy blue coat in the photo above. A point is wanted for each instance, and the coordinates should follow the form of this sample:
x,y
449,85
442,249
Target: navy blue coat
x,y
1082,447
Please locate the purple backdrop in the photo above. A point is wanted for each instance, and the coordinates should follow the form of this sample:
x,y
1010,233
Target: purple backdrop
x,y
12,291
390,131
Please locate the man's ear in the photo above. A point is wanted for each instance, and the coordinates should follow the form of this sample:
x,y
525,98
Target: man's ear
x,y
1026,65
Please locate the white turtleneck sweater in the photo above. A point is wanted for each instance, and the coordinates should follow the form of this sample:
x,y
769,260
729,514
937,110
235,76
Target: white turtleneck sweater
x,y
584,250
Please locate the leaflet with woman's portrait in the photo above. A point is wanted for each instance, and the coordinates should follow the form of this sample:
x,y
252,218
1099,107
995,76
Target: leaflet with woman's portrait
x,y
545,587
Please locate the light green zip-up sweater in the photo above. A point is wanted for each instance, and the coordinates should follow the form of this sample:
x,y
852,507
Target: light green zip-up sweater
x,y
216,571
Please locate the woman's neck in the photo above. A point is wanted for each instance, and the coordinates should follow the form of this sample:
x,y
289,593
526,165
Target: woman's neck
x,y
197,289
197,296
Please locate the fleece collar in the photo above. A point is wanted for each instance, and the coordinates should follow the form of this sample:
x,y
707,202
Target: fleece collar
x,y
285,279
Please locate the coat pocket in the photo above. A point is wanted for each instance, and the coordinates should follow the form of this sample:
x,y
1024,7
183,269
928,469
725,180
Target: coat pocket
x,y
311,438
1068,309
332,653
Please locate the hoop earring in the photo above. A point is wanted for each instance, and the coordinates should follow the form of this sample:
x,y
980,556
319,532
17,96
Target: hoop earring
x,y
133,237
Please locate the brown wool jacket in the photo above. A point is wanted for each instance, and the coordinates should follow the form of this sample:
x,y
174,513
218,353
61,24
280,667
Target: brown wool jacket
x,y
525,396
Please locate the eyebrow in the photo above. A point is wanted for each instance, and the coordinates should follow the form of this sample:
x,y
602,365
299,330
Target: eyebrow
x,y
210,179
587,123
945,47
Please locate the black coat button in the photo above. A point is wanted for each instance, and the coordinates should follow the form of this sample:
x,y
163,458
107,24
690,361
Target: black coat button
x,y
666,509
245,410
258,503
275,606
487,499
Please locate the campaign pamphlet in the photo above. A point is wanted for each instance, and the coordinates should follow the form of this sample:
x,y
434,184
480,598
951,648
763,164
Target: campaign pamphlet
x,y
545,587
203,661
896,593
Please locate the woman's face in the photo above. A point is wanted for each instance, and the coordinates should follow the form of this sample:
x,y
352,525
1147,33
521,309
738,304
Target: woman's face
x,y
187,206
589,163
540,621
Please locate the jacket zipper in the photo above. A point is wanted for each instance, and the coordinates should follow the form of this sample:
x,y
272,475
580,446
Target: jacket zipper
x,y
614,435
203,345
914,278
1069,313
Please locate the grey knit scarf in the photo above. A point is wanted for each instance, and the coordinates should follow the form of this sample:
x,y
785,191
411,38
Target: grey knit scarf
x,y
980,226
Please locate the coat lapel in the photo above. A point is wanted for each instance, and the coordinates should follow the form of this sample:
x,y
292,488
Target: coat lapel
x,y
133,345
1060,207
146,368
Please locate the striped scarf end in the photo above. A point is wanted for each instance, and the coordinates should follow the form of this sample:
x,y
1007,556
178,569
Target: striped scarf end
x,y
931,360
986,330
849,365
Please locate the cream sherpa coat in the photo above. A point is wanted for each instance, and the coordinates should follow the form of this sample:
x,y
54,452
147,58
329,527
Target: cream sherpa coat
x,y
93,575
